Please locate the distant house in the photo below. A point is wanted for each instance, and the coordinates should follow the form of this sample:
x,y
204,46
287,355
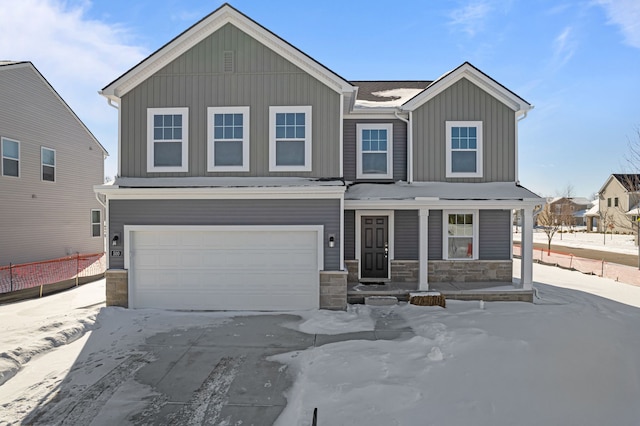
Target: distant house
x,y
570,210
50,162
253,177
617,200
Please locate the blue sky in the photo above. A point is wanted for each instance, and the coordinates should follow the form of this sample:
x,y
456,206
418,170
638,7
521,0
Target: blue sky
x,y
578,62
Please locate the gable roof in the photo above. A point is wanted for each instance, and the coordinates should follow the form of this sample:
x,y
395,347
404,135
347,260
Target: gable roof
x,y
477,77
630,182
8,65
225,14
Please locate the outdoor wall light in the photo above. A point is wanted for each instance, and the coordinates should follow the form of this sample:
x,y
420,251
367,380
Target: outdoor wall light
x,y
115,240
332,241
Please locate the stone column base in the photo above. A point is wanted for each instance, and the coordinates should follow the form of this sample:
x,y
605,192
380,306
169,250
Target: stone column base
x,y
117,287
333,290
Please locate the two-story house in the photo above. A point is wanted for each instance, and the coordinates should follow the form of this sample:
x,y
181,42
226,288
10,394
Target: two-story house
x,y
618,201
570,210
50,164
253,177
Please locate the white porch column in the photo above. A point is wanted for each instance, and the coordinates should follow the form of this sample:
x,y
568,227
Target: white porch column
x,y
423,253
526,247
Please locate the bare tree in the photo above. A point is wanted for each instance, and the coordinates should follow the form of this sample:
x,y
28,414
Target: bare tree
x,y
551,220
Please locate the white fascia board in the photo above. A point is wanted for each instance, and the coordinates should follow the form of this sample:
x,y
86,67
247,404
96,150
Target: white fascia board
x,y
472,74
207,26
435,203
322,192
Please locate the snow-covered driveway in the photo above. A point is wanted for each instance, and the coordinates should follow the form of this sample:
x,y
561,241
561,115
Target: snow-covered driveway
x,y
570,358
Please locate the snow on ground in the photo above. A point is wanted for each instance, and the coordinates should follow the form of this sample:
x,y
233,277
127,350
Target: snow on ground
x,y
617,243
569,358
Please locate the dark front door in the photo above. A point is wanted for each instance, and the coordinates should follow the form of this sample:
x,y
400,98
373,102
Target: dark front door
x,y
375,247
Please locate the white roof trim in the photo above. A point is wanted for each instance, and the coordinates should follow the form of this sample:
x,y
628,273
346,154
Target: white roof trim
x,y
478,78
207,26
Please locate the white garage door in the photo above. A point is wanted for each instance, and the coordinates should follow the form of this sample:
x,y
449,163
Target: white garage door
x,y
224,268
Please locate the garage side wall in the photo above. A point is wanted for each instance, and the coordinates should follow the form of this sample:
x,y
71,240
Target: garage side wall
x,y
324,212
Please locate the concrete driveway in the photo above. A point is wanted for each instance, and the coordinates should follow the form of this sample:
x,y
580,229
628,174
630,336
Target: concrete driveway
x,y
216,375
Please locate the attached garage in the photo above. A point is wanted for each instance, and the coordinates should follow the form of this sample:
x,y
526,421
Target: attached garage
x,y
264,268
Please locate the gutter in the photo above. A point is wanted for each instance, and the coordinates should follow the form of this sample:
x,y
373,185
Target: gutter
x,y
409,144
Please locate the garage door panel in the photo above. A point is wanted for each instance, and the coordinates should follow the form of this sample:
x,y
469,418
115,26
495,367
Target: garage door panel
x,y
224,269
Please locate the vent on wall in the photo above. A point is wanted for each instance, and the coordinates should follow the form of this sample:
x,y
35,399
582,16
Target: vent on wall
x,y
228,61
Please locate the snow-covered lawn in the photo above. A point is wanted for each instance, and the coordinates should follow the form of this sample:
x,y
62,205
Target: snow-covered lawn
x,y
569,358
616,243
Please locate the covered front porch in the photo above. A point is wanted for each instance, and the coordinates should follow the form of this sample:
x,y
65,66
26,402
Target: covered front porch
x,y
489,291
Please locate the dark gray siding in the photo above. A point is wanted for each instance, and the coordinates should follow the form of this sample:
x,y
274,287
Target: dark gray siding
x,y
406,235
399,148
464,101
495,234
262,78
229,212
349,234
435,235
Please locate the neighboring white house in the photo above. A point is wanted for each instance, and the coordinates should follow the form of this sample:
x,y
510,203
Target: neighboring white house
x,y
50,162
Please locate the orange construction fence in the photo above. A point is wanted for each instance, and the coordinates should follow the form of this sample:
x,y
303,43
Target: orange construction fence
x,y
35,274
622,273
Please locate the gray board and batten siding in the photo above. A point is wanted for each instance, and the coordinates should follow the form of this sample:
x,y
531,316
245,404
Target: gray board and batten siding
x,y
399,148
261,78
44,220
324,212
493,234
464,101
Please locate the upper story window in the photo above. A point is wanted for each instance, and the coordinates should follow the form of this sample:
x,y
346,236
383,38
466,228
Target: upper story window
x,y
10,157
167,139
374,150
96,223
608,202
464,148
48,157
615,202
290,138
228,136
461,236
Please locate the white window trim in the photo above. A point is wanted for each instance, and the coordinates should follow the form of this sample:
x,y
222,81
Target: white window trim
x,y
445,234
374,126
185,139
101,233
273,110
55,161
479,162
211,153
2,157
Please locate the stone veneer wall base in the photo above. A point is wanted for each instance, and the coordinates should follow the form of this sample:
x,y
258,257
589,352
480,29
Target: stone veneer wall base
x,y
333,290
470,270
117,287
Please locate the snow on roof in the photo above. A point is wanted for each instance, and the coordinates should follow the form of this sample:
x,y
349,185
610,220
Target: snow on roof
x,y
594,210
222,182
388,98
440,190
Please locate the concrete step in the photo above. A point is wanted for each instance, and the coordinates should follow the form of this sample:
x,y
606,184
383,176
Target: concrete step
x,y
380,300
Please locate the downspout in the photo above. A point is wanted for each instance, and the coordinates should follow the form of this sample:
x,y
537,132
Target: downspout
x,y
409,144
518,119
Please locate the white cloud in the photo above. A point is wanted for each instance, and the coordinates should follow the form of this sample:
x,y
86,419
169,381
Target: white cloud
x,y
626,15
76,54
564,46
470,17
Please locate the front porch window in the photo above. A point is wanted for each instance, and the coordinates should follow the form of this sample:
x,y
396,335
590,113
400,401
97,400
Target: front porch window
x,y
461,235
